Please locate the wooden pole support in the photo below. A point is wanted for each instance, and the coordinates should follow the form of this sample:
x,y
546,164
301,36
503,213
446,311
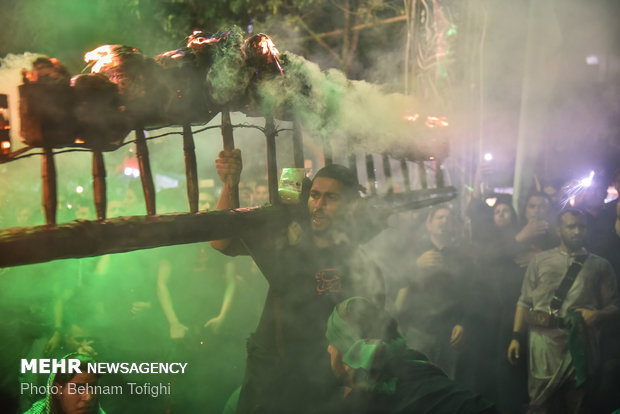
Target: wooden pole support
x,y
387,171
404,167
191,170
229,145
272,165
439,177
48,173
99,185
370,170
142,151
422,174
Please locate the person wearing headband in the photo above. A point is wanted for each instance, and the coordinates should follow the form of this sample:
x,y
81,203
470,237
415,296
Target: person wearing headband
x,y
70,393
381,374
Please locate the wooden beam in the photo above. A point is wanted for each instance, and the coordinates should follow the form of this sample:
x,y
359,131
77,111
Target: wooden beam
x,y
80,238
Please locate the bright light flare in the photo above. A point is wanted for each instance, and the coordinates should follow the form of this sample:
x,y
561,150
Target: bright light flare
x,y
491,201
586,181
267,46
411,118
99,57
6,145
436,122
488,156
128,171
575,188
79,189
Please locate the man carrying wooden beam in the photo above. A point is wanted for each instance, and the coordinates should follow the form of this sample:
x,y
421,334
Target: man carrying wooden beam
x,y
311,264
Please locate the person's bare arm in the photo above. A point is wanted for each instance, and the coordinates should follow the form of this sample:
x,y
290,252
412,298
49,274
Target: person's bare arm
x,y
56,338
519,327
177,329
231,287
228,165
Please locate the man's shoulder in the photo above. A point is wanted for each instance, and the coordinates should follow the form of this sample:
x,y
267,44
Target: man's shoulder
x,y
547,255
599,261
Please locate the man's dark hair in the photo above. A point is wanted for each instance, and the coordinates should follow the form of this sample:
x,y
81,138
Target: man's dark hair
x,y
538,194
570,210
435,209
527,200
347,176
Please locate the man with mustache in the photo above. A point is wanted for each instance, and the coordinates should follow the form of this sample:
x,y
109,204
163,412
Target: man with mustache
x,y
566,294
311,265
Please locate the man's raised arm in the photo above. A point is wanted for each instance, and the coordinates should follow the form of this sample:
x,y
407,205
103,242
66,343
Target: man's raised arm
x,y
228,165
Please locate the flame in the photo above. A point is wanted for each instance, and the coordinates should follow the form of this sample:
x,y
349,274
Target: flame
x,y
78,141
267,46
6,145
197,38
261,45
99,57
173,54
435,122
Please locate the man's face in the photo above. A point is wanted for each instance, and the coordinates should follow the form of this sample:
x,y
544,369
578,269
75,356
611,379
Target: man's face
x,y
79,340
72,401
439,224
572,231
537,208
325,204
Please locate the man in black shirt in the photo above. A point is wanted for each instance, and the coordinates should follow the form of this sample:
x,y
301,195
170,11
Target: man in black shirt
x,y
310,267
432,302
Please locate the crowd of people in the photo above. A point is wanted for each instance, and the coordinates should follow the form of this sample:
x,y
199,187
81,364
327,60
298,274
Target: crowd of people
x,y
475,311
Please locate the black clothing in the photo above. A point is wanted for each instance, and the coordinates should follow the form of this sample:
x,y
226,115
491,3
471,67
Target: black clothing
x,y
421,388
288,365
437,299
